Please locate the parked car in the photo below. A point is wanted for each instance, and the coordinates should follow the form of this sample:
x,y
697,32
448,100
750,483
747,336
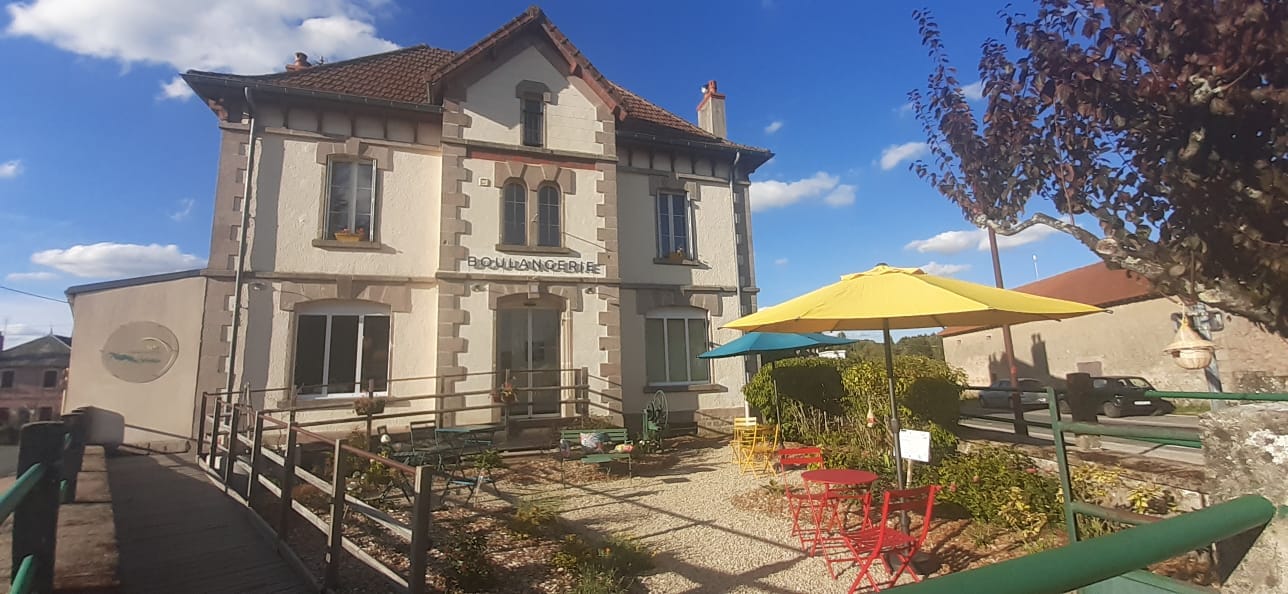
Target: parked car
x,y
999,396
1121,395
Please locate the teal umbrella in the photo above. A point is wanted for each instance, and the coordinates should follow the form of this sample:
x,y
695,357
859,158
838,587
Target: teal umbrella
x,y
758,343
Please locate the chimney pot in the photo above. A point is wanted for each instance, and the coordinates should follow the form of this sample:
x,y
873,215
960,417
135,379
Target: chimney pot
x,y
301,62
711,111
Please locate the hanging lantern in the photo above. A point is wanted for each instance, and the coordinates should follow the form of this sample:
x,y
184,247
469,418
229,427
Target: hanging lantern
x,y
1188,349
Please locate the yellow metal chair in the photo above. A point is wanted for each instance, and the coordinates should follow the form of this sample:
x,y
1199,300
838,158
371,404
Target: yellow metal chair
x,y
759,457
740,426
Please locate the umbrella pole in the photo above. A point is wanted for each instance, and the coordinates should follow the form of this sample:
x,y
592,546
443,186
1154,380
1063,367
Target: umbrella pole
x,y
778,404
894,406
894,419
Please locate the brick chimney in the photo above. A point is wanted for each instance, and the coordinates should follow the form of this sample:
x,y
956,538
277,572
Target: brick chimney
x,y
711,112
301,62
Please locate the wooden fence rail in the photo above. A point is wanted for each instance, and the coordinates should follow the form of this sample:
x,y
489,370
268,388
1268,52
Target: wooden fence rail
x,y
232,448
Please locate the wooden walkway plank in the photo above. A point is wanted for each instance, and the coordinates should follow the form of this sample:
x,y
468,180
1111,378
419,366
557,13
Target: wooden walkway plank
x,y
177,532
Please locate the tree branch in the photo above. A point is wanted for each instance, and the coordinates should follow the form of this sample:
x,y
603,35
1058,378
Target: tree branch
x,y
1084,236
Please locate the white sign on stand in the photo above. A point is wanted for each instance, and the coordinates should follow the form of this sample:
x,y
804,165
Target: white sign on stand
x,y
914,445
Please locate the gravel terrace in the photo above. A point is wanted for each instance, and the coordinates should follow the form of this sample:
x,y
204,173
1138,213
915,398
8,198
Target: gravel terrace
x,y
702,542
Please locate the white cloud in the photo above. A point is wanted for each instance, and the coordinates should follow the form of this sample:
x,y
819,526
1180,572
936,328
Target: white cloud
x,y
18,277
774,126
938,269
185,210
895,154
243,36
10,169
904,109
954,242
822,185
781,261
974,91
114,260
175,89
843,195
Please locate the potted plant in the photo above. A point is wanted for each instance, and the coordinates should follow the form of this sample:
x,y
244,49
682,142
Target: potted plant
x,y
676,257
369,405
348,236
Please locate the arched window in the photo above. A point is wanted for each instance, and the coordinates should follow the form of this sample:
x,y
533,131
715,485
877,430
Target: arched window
x,y
548,232
514,215
673,339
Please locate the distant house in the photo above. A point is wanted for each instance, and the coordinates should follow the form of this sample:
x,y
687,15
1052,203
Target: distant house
x,y
1127,341
32,378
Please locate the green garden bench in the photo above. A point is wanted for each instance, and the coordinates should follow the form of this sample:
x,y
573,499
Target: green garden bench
x,y
615,435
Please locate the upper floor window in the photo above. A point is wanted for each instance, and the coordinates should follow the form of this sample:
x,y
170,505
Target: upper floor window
x,y
514,215
351,200
342,349
50,379
674,226
6,378
673,339
533,116
548,234
543,227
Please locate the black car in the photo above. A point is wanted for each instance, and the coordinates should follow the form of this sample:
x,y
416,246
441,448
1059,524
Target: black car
x,y
1121,395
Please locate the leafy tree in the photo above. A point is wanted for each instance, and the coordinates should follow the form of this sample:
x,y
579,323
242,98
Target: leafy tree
x,y
925,345
1163,123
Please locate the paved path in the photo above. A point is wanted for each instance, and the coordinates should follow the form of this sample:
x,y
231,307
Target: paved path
x,y
1000,420
177,532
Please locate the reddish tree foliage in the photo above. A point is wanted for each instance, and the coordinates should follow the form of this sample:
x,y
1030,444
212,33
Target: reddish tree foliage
x,y
1165,122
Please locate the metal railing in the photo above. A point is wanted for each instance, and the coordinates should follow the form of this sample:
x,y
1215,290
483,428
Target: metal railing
x,y
49,458
1113,561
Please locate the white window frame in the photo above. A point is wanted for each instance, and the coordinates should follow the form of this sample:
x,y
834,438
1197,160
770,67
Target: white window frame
x,y
330,311
327,233
678,313
690,240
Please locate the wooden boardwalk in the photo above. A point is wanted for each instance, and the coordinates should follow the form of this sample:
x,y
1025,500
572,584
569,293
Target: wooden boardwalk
x,y
177,532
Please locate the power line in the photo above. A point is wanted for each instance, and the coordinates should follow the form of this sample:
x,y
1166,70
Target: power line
x,y
56,300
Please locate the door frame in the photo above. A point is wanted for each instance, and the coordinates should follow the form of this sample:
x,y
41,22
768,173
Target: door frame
x,y
528,303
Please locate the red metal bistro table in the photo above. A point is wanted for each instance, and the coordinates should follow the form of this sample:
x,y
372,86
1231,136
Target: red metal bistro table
x,y
838,485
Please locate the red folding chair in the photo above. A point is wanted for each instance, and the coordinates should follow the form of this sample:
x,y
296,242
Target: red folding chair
x,y
801,498
865,545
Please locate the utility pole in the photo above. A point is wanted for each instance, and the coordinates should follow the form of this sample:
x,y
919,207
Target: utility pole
x,y
1021,427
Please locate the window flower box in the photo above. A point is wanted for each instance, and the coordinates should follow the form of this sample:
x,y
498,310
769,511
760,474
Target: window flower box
x,y
369,406
348,236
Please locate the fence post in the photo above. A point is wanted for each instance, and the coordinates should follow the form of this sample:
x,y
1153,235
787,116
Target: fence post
x,y
35,520
335,536
420,520
288,479
201,425
214,434
256,458
74,422
230,458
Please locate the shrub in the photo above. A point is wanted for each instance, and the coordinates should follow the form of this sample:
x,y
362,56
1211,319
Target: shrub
x,y
812,381
468,568
1001,486
532,516
590,579
616,555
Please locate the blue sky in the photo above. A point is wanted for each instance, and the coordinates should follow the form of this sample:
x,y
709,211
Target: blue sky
x,y
107,168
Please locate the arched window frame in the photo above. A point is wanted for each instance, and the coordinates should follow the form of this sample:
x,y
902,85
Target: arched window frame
x,y
549,218
514,213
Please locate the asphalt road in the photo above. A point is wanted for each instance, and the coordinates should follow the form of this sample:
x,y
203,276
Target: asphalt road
x,y
1001,420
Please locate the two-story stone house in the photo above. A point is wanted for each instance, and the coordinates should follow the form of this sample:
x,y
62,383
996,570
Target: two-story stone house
x,y
503,213
32,377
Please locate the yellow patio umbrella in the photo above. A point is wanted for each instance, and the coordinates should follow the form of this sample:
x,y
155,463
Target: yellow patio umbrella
x,y
887,298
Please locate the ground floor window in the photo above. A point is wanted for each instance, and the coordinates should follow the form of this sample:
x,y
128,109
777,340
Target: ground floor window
x,y
45,413
342,350
673,339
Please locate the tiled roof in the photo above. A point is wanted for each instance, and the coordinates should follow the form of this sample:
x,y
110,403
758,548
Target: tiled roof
x,y
398,75
1094,284
402,75
46,351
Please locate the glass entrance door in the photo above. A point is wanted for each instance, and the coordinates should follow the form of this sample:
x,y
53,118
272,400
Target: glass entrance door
x,y
528,354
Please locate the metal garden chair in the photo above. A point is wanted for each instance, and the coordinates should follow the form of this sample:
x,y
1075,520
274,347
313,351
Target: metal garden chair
x,y
800,498
740,426
866,545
